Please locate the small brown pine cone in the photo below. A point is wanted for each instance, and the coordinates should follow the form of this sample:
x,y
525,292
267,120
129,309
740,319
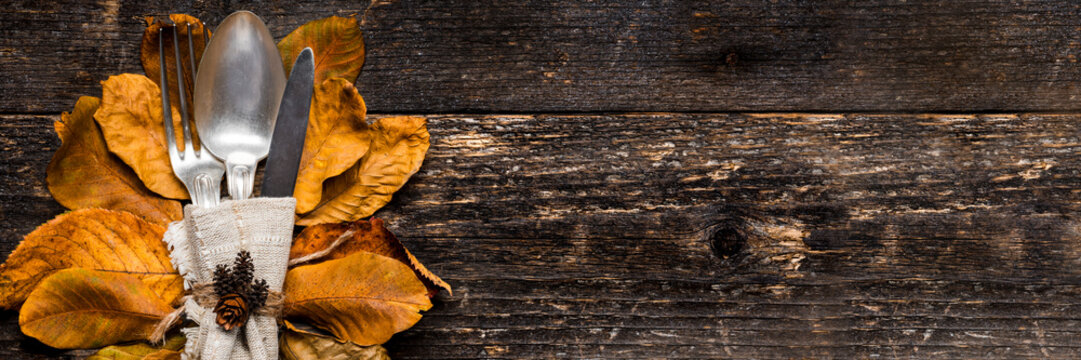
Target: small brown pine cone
x,y
232,311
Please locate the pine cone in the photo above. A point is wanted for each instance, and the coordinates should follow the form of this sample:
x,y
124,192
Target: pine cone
x,y
258,293
232,311
237,291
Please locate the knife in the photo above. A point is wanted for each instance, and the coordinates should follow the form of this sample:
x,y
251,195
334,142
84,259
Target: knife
x,y
287,143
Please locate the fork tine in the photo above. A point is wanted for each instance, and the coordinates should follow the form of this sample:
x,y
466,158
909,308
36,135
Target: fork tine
x,y
191,50
194,70
200,174
167,116
185,122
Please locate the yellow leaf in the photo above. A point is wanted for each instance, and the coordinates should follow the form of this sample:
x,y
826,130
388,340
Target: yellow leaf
x,y
371,236
164,355
83,174
148,53
397,150
306,346
97,239
81,308
336,42
336,138
131,120
142,351
364,298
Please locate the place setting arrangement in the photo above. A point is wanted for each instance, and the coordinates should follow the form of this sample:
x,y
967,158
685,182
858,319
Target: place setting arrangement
x,y
153,262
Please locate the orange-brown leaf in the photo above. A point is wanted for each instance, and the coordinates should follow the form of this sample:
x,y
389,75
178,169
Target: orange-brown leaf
x,y
337,137
83,174
81,308
148,52
131,119
371,236
142,351
397,150
364,298
97,239
164,355
306,346
336,42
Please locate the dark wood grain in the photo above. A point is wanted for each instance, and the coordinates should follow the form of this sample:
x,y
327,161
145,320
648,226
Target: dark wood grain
x,y
666,235
573,227
600,56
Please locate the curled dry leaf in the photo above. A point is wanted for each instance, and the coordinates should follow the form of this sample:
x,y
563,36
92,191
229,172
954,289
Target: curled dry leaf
x,y
82,308
396,153
306,346
371,236
148,52
83,174
143,351
364,298
98,239
336,42
131,119
337,137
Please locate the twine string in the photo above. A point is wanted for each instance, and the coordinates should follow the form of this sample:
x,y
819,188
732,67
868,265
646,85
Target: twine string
x,y
206,297
322,253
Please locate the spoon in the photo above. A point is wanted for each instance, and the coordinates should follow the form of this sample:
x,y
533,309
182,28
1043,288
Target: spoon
x,y
237,93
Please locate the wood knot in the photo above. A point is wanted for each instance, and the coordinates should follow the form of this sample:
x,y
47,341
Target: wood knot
x,y
727,242
731,59
759,244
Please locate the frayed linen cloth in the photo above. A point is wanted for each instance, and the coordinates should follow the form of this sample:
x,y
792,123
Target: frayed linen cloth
x,y
208,237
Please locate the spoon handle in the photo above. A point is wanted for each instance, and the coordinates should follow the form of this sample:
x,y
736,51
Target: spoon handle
x,y
240,176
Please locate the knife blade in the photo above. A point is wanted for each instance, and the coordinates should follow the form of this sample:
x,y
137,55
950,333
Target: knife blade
x,y
287,143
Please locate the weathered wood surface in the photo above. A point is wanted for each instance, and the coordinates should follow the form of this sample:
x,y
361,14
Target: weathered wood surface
x,y
590,234
516,56
722,235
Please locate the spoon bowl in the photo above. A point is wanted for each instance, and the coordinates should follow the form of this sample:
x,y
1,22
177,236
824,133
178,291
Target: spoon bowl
x,y
237,93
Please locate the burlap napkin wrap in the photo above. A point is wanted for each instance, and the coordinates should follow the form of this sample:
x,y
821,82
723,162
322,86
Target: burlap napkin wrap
x,y
207,237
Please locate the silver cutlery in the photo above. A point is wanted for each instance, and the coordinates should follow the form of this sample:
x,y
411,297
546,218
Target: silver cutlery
x,y
237,94
286,146
200,172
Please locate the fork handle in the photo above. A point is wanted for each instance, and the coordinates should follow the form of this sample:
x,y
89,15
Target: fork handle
x,y
207,192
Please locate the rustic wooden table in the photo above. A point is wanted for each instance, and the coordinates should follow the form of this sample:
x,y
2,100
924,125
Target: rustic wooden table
x,y
677,179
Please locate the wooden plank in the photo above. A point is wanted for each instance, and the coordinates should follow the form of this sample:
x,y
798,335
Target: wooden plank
x,y
669,235
515,56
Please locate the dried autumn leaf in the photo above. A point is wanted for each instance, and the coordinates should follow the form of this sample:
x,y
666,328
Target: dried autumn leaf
x,y
82,308
336,42
397,150
337,137
165,355
99,239
83,174
142,351
131,119
148,52
305,346
371,236
364,298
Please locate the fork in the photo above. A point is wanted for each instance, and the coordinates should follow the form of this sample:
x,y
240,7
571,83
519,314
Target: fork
x,y
200,172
